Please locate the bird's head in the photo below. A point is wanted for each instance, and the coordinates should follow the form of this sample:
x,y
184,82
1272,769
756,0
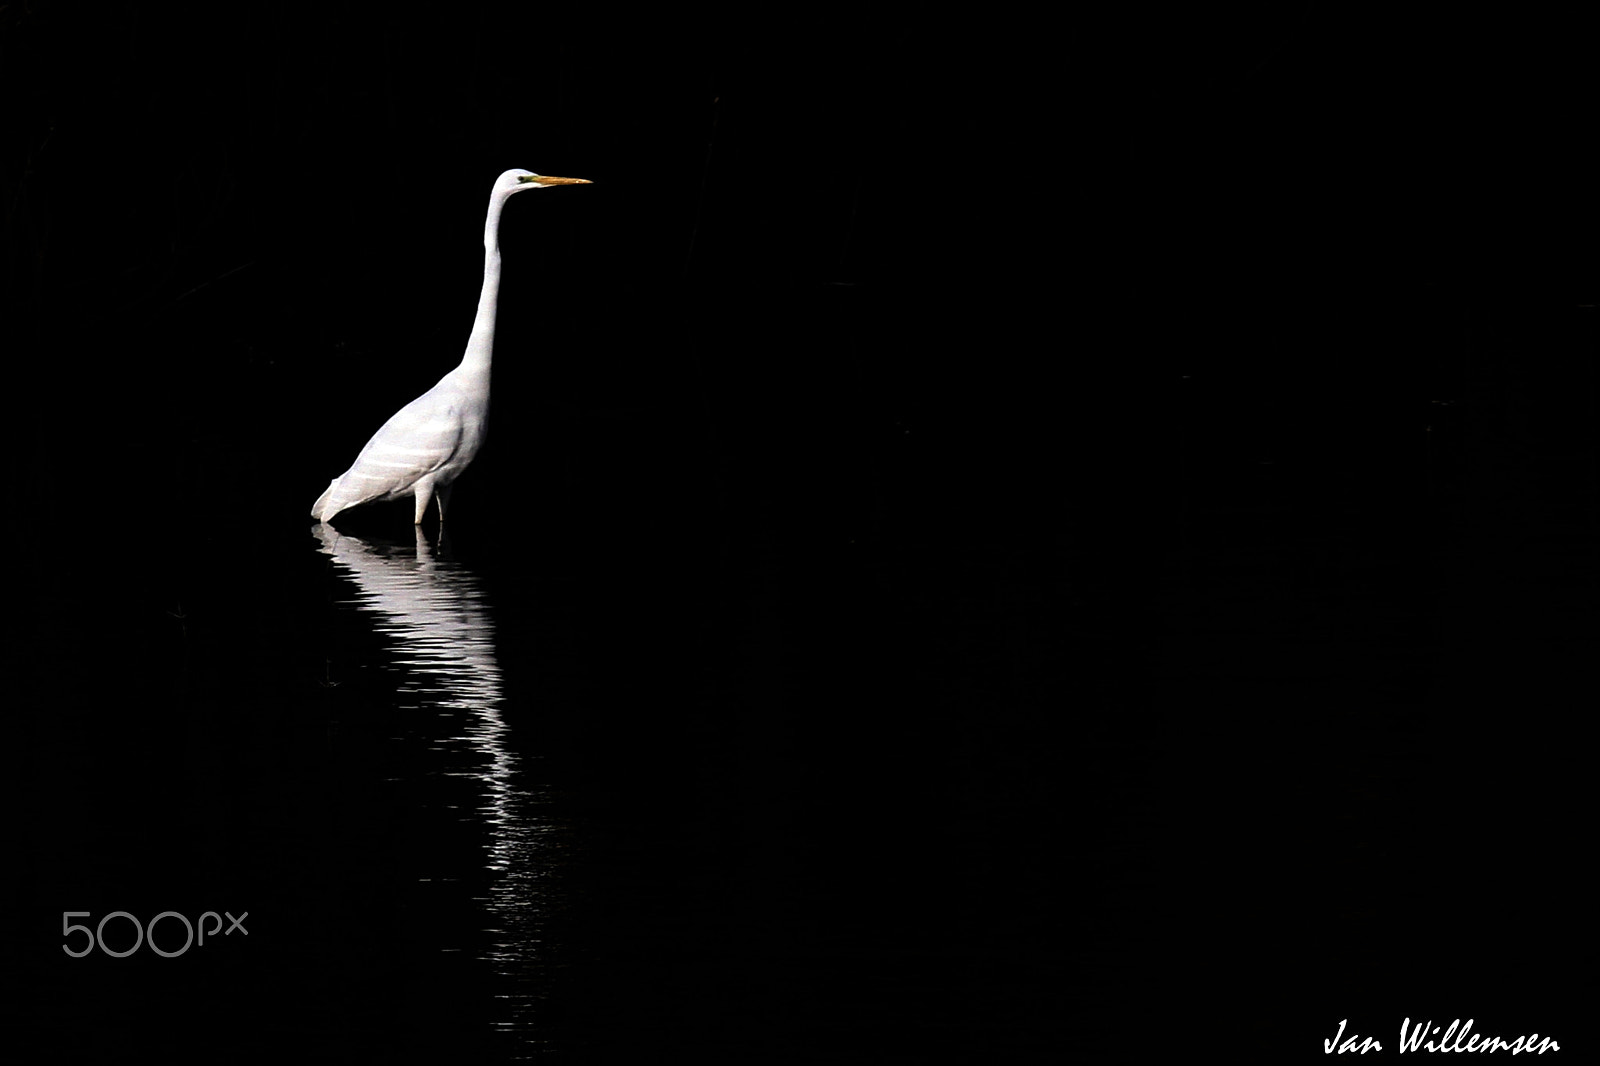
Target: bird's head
x,y
518,180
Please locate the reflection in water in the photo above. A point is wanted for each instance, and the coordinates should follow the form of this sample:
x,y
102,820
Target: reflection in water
x,y
436,613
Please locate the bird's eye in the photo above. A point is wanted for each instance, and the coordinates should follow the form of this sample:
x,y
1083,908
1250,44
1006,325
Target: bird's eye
x,y
525,178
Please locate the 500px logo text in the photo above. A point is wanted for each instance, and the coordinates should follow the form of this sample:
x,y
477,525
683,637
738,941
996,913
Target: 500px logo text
x,y
144,933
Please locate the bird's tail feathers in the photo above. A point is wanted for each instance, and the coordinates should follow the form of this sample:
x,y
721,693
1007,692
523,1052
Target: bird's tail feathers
x,y
321,510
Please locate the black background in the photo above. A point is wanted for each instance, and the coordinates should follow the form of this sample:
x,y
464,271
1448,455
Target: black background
x,y
1132,481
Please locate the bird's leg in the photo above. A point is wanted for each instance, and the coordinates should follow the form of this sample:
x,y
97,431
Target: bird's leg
x,y
443,497
424,497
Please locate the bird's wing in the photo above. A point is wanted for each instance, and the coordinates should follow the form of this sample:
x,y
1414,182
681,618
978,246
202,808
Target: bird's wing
x,y
417,440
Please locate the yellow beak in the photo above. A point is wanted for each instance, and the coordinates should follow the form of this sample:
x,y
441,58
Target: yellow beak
x,y
545,179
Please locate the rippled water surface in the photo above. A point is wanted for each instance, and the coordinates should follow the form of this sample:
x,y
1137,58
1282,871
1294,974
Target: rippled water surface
x,y
496,805
440,646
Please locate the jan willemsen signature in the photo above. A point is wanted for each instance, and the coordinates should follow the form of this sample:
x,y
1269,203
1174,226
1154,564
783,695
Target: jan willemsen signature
x,y
1427,1037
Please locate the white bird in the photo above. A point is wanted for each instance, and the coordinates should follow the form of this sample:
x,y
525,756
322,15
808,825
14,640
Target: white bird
x,y
426,445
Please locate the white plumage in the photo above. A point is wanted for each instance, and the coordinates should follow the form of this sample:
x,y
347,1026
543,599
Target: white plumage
x,y
426,445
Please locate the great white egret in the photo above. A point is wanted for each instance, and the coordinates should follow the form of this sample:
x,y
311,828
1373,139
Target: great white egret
x,y
426,445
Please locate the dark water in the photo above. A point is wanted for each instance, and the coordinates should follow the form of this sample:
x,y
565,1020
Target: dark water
x,y
585,814
751,767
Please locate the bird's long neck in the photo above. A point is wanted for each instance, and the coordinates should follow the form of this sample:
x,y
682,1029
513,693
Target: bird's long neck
x,y
480,345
